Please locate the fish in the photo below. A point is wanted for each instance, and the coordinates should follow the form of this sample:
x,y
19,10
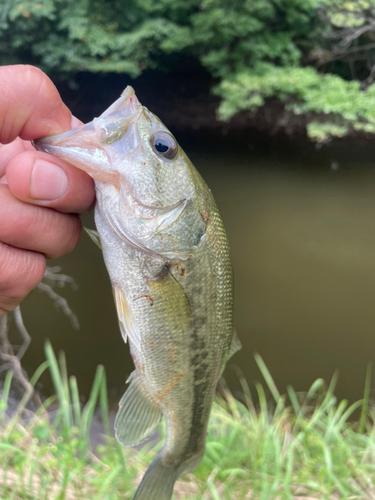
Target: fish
x,y
167,255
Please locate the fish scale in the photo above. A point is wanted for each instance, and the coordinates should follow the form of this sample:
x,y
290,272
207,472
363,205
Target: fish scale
x,y
167,256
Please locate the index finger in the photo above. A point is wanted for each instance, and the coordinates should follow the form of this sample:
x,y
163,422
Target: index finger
x,y
30,105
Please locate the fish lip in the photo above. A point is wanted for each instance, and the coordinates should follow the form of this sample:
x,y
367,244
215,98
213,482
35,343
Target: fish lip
x,y
92,135
84,134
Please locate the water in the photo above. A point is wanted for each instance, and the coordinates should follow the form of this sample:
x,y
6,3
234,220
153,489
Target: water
x,y
301,223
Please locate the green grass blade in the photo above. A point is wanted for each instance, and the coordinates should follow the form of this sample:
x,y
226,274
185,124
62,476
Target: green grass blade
x,y
28,393
75,401
103,399
309,448
267,377
89,409
262,403
5,396
366,398
59,384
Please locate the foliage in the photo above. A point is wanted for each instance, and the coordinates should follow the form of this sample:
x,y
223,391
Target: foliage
x,y
304,91
308,448
348,47
292,42
94,35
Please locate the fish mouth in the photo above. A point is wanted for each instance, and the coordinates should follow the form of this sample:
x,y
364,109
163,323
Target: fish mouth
x,y
88,147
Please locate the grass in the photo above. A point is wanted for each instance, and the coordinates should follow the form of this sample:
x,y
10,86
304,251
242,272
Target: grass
x,y
297,446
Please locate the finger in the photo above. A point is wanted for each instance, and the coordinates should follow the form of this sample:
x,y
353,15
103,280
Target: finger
x,y
42,179
20,272
35,228
30,105
9,151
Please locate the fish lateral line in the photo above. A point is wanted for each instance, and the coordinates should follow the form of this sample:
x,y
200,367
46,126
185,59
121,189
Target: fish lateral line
x,y
162,236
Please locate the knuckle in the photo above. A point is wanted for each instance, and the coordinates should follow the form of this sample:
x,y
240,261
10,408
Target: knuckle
x,y
20,272
7,304
74,234
34,77
69,235
39,220
36,264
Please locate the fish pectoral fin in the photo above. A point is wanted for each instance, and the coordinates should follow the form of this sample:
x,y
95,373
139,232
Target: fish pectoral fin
x,y
234,347
169,295
128,326
94,235
137,416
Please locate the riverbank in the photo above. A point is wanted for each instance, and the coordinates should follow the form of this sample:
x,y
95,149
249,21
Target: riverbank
x,y
186,102
295,447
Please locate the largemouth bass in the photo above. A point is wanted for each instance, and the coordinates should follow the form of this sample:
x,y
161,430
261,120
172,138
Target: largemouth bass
x,y
167,256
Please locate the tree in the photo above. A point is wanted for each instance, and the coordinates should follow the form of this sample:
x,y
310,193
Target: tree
x,y
325,84
316,56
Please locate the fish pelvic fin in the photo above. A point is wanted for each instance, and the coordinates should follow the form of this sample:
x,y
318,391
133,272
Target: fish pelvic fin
x,y
137,416
158,481
128,326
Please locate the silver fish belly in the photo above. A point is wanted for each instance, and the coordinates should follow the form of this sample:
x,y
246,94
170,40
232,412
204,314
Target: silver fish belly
x,y
167,256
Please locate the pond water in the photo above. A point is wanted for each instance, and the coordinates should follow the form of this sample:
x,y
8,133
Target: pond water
x,y
301,224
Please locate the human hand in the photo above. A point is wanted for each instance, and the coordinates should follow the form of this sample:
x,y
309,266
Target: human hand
x,y
40,195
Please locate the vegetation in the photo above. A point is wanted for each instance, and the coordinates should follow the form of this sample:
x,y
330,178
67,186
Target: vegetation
x,y
308,448
315,56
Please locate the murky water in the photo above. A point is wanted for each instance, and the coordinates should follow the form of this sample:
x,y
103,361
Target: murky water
x,y
302,229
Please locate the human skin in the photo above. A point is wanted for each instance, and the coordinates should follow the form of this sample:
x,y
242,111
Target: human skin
x,y
41,197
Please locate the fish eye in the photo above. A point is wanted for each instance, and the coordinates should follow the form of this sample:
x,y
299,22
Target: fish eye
x,y
164,145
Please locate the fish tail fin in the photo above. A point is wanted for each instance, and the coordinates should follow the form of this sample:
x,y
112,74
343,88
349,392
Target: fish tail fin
x,y
158,482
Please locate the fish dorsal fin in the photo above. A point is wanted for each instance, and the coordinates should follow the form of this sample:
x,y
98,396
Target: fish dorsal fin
x,y
128,326
137,416
94,235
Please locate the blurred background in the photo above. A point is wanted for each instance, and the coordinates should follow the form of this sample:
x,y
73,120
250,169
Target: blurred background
x,y
274,103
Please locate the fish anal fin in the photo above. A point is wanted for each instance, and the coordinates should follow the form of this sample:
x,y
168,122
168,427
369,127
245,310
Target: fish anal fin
x,y
137,416
234,347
